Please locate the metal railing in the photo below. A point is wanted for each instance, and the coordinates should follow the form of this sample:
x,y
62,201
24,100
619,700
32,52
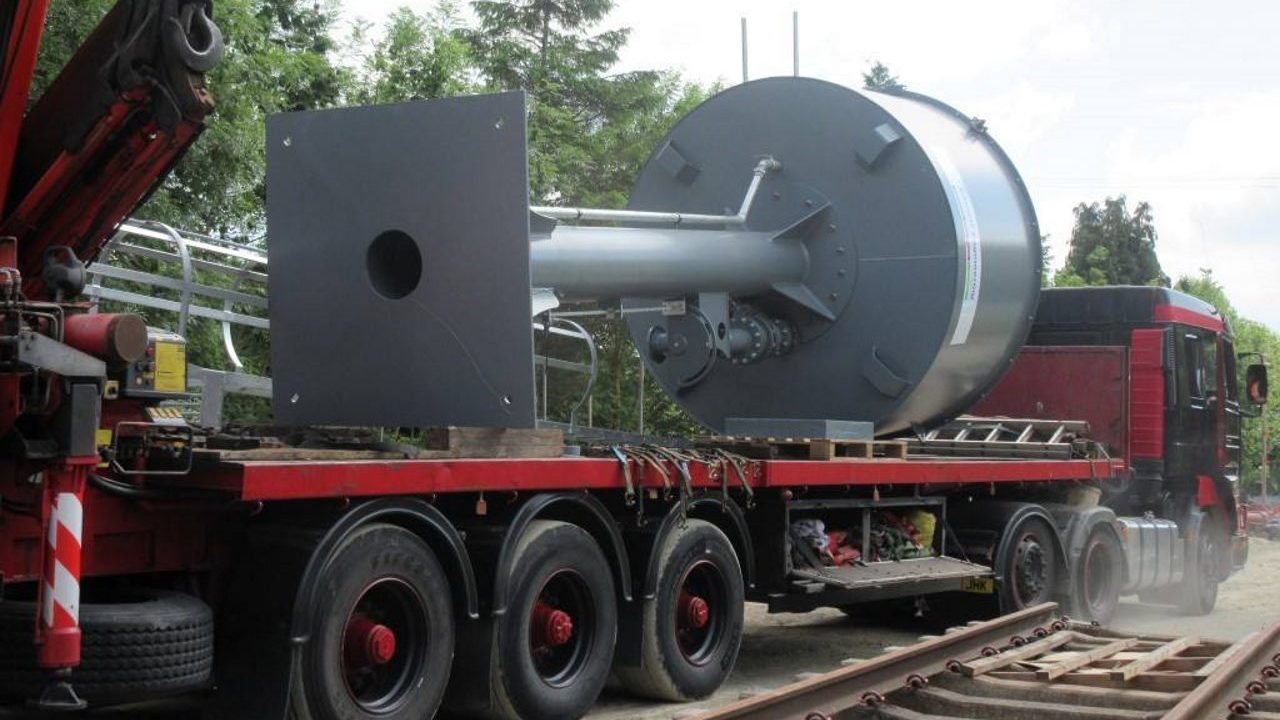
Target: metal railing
x,y
153,267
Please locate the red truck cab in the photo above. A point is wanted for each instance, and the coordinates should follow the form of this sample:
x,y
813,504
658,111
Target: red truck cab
x,y
1154,372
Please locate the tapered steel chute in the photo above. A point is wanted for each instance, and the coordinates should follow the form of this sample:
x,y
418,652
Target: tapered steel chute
x,y
792,249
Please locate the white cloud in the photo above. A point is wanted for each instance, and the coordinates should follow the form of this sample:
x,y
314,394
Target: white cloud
x,y
1216,194
1067,41
1024,115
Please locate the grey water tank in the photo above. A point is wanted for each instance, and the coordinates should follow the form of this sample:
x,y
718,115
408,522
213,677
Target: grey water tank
x,y
919,285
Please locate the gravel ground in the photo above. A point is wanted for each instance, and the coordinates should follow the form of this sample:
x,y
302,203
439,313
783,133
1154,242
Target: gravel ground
x,y
776,648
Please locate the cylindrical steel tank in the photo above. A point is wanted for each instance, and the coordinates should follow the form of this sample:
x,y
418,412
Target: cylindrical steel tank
x,y
921,280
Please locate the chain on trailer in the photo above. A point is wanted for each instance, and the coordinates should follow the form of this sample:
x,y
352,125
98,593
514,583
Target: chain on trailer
x,y
721,464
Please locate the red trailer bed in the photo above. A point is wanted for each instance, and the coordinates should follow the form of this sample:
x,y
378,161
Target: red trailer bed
x,y
301,480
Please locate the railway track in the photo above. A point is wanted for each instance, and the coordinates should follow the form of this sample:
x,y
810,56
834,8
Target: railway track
x,y
1033,665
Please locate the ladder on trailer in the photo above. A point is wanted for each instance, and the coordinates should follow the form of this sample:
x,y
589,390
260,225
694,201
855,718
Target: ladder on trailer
x,y
1000,437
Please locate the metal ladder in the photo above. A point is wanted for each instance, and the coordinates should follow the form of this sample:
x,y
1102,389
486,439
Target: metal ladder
x,y
1000,437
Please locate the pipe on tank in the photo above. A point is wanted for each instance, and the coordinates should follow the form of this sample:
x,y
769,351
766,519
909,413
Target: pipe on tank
x,y
603,262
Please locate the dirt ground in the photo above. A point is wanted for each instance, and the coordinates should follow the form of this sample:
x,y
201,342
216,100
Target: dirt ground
x,y
776,648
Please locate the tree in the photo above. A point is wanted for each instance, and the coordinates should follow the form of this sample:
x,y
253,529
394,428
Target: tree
x,y
1111,246
590,132
418,57
1046,262
280,56
878,77
551,50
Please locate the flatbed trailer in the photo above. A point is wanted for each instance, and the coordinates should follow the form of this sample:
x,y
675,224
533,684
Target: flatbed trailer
x,y
297,512
883,277
260,536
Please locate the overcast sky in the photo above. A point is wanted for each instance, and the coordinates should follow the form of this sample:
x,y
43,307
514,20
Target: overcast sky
x,y
1176,102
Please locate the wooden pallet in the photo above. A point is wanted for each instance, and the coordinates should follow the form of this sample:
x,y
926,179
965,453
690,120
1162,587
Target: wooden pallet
x,y
779,448
457,442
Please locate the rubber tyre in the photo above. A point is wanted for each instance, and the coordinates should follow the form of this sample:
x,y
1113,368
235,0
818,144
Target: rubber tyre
x,y
153,644
401,563
700,556
1034,549
1198,593
1099,575
548,551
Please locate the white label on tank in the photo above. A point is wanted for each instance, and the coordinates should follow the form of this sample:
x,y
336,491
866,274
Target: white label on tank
x,y
970,242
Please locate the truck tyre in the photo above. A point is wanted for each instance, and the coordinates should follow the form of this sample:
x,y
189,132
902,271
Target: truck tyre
x,y
152,644
1030,567
691,629
381,643
552,649
1095,585
1199,590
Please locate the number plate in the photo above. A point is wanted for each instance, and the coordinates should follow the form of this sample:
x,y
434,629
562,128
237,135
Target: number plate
x,y
983,585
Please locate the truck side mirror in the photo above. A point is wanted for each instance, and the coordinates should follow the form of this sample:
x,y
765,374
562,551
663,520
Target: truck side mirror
x,y
1255,382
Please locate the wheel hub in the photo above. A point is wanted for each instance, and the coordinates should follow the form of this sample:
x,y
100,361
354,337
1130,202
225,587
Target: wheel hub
x,y
368,642
552,627
694,611
1030,567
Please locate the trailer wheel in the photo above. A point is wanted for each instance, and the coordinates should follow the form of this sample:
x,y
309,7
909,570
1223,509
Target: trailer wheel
x,y
1095,589
553,647
382,641
1199,590
148,644
1030,572
691,629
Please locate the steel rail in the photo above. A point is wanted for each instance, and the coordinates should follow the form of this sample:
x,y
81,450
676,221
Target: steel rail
x,y
868,681
1226,692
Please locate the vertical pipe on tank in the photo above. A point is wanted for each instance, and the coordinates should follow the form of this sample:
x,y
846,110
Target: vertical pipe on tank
x,y
744,49
795,43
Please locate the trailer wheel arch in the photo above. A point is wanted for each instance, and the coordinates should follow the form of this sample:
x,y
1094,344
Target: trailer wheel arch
x,y
580,509
1074,526
1000,517
713,507
1077,526
413,514
718,510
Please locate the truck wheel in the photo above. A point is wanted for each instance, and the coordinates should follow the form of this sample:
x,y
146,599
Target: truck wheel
x,y
1030,569
1199,590
1095,586
690,631
382,640
553,647
152,644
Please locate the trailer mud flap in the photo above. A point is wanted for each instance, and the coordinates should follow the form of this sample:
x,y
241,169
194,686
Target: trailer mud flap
x,y
254,651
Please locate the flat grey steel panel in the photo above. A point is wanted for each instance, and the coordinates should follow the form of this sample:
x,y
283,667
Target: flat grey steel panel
x,y
429,325
799,428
